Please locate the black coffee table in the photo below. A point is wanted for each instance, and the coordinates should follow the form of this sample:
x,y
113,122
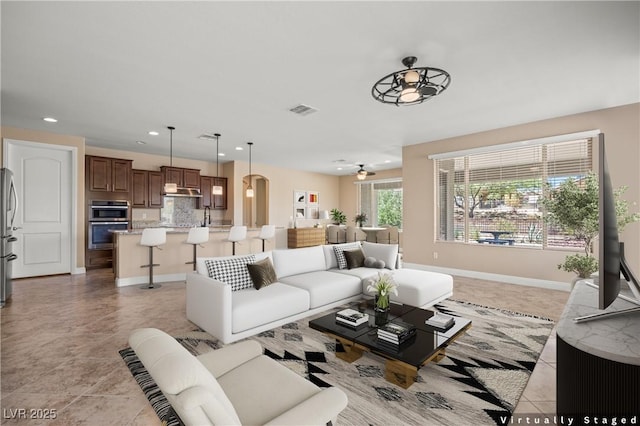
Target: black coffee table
x,y
403,361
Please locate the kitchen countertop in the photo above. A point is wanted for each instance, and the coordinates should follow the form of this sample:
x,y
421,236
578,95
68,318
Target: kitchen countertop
x,y
179,230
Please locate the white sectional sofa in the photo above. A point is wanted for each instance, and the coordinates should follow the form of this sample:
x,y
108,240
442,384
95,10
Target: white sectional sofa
x,y
309,281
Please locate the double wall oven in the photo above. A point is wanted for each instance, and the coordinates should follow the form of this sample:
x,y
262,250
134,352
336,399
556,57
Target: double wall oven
x,y
105,216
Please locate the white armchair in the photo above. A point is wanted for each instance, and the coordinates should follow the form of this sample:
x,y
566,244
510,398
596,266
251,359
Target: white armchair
x,y
233,385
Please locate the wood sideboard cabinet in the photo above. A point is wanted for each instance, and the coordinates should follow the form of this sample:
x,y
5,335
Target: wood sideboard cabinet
x,y
305,237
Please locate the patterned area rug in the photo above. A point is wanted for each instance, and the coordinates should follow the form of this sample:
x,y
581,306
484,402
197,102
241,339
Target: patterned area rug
x,y
480,379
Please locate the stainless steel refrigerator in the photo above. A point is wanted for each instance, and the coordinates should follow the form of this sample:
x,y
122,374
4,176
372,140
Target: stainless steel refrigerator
x,y
8,211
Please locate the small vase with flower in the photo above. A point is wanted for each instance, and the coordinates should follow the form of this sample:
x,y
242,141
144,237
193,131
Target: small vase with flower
x,y
382,286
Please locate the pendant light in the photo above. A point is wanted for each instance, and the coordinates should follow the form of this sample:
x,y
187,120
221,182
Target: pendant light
x,y
170,188
217,189
250,188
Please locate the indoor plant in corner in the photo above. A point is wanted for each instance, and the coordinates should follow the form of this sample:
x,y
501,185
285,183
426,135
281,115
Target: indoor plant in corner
x,y
573,206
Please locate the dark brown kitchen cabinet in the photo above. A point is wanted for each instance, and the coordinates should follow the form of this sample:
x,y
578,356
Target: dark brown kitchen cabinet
x,y
184,178
172,175
108,174
140,187
216,202
155,189
191,178
147,189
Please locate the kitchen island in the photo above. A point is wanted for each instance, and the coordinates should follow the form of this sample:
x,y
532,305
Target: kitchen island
x,y
129,255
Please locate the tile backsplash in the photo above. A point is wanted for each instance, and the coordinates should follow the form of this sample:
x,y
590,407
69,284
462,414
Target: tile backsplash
x,y
178,210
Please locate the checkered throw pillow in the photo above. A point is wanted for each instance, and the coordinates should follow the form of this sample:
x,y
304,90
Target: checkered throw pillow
x,y
340,248
232,271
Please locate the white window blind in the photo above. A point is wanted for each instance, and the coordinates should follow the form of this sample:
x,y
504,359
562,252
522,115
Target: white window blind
x,y
500,190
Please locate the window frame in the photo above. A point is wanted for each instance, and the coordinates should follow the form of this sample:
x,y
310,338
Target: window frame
x,y
448,232
373,207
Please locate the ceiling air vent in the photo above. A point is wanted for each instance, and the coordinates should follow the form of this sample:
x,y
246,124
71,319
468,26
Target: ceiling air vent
x,y
303,109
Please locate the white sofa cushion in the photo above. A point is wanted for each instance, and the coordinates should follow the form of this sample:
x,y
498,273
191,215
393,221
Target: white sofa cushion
x,y
260,379
298,261
330,256
388,253
325,287
362,273
251,308
177,373
232,271
419,288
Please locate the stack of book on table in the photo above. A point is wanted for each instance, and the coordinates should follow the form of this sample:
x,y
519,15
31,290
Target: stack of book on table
x,y
351,317
396,333
440,321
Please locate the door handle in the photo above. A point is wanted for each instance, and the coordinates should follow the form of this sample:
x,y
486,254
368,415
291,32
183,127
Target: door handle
x,y
12,257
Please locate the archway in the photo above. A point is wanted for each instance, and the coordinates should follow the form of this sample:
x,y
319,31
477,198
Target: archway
x,y
255,210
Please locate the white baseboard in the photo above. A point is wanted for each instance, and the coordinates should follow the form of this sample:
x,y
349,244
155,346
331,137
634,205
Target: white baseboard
x,y
509,279
77,271
124,282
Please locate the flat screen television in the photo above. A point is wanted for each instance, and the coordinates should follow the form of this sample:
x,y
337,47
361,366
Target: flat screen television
x,y
611,259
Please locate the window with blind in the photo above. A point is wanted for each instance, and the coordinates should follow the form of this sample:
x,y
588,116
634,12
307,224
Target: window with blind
x,y
494,197
381,201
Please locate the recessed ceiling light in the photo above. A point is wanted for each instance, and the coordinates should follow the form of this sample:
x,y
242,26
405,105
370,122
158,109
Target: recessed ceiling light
x,y
154,133
339,168
50,120
239,148
387,161
141,142
221,154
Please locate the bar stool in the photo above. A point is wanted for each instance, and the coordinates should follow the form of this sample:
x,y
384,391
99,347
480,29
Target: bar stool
x,y
197,236
267,232
236,234
152,237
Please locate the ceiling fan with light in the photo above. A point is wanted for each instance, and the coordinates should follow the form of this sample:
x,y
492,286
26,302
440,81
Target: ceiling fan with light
x,y
362,174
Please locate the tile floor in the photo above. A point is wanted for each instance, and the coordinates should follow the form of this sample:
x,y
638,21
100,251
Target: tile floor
x,y
60,338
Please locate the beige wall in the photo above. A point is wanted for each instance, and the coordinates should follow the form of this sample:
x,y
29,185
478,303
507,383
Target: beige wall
x,y
349,192
282,184
56,139
621,128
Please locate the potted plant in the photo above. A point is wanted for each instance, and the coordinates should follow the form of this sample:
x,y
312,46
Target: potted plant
x,y
338,217
583,266
383,286
573,206
361,219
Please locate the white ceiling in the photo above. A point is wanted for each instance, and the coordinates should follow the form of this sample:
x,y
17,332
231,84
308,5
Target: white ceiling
x,y
111,72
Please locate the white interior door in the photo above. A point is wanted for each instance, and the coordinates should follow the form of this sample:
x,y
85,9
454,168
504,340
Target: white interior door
x,y
43,179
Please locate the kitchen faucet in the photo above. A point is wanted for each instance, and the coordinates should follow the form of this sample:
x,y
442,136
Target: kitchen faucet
x,y
204,219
